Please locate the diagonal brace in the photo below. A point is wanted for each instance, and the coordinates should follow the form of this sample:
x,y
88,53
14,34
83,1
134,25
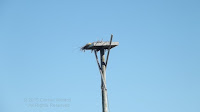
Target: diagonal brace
x,y
109,50
100,70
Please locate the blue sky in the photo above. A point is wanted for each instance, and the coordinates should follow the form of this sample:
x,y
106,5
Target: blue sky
x,y
155,68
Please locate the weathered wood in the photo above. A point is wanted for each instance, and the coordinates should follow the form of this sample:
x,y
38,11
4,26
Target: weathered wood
x,y
109,50
103,89
100,69
99,45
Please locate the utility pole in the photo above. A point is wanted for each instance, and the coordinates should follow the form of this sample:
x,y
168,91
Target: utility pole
x,y
103,88
102,46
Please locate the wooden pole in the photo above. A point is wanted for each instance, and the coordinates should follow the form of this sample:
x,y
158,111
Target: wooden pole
x,y
103,81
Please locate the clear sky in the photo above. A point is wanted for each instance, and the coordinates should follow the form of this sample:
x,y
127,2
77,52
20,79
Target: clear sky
x,y
155,68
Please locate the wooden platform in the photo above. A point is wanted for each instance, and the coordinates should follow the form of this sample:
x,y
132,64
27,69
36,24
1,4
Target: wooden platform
x,y
99,45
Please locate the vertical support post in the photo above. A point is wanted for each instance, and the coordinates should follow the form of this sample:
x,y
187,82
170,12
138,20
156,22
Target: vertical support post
x,y
103,89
